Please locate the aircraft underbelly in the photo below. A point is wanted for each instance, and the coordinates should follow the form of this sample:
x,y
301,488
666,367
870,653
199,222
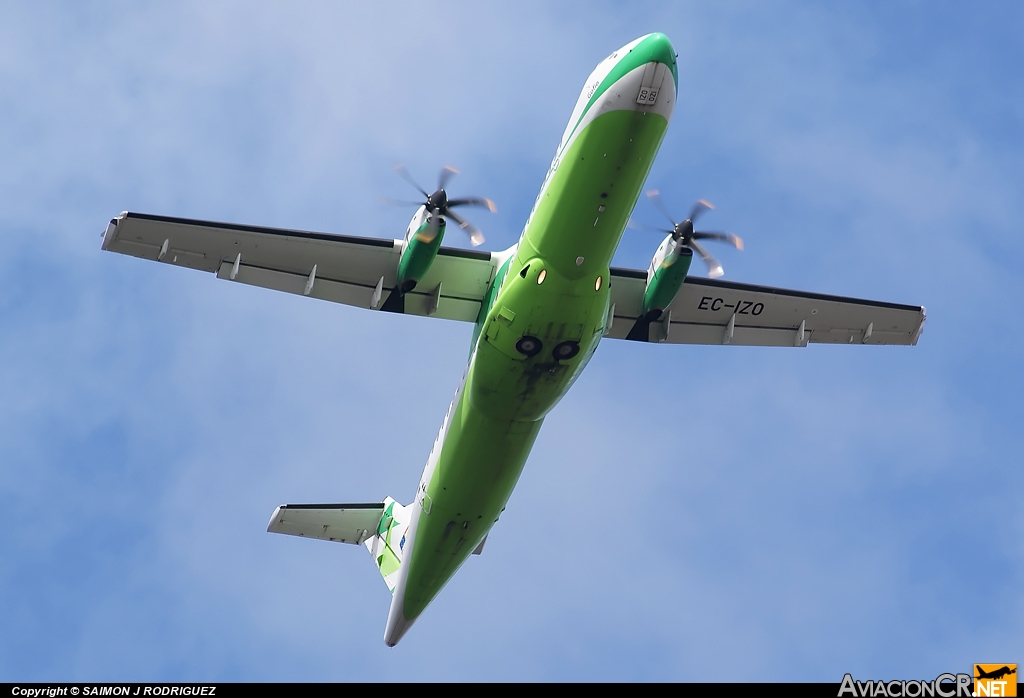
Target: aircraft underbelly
x,y
478,468
556,291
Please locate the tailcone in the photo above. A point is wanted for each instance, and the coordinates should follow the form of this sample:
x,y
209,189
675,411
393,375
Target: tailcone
x,y
397,625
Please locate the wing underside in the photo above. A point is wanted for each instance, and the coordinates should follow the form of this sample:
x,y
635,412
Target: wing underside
x,y
351,270
709,311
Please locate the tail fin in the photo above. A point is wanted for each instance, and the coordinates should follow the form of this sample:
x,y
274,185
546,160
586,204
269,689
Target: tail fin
x,y
387,546
381,526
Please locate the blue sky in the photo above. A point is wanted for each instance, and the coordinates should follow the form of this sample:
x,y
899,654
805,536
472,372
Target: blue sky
x,y
688,513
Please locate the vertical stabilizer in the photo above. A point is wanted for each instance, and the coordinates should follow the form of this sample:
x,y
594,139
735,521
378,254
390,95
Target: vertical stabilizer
x,y
387,545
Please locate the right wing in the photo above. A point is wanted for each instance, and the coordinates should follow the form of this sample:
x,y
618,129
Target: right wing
x,y
712,311
351,270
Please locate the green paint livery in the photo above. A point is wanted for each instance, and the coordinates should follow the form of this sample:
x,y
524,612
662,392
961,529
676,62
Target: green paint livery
x,y
665,282
418,255
554,291
540,310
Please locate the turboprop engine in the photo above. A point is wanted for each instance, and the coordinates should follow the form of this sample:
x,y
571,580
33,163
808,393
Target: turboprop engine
x,y
426,231
672,261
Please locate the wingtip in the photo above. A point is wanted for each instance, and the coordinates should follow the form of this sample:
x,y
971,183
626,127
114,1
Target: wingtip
x,y
274,518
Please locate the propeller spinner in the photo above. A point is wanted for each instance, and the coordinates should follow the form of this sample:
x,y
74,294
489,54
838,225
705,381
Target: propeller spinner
x,y
440,205
684,234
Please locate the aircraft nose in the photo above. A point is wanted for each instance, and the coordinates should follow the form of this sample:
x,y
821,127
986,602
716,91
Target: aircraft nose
x,y
654,48
659,48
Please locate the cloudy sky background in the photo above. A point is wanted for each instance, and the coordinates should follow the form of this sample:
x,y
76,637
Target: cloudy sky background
x,y
688,513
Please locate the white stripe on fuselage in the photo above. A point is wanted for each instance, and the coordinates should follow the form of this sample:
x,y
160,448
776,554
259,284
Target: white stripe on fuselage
x,y
619,96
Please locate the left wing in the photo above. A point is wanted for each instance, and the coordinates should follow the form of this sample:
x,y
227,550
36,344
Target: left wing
x,y
351,270
710,311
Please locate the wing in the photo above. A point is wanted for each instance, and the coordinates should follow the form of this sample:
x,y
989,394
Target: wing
x,y
341,523
709,311
351,270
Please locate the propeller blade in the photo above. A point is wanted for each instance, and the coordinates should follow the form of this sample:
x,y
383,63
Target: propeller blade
x,y
387,201
404,174
700,207
474,201
476,238
714,267
655,198
647,228
430,233
446,173
734,240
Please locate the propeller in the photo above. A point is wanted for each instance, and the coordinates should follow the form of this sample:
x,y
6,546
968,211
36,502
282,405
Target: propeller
x,y
684,234
440,205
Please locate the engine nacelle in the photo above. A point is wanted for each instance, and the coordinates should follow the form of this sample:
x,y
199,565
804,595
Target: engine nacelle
x,y
665,277
420,249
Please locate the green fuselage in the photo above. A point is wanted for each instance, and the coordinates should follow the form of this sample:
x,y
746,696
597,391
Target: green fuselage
x,y
554,289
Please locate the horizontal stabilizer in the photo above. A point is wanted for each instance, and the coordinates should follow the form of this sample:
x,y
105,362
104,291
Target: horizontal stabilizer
x,y
341,523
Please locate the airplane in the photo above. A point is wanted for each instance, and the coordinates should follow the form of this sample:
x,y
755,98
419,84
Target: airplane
x,y
540,309
994,674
